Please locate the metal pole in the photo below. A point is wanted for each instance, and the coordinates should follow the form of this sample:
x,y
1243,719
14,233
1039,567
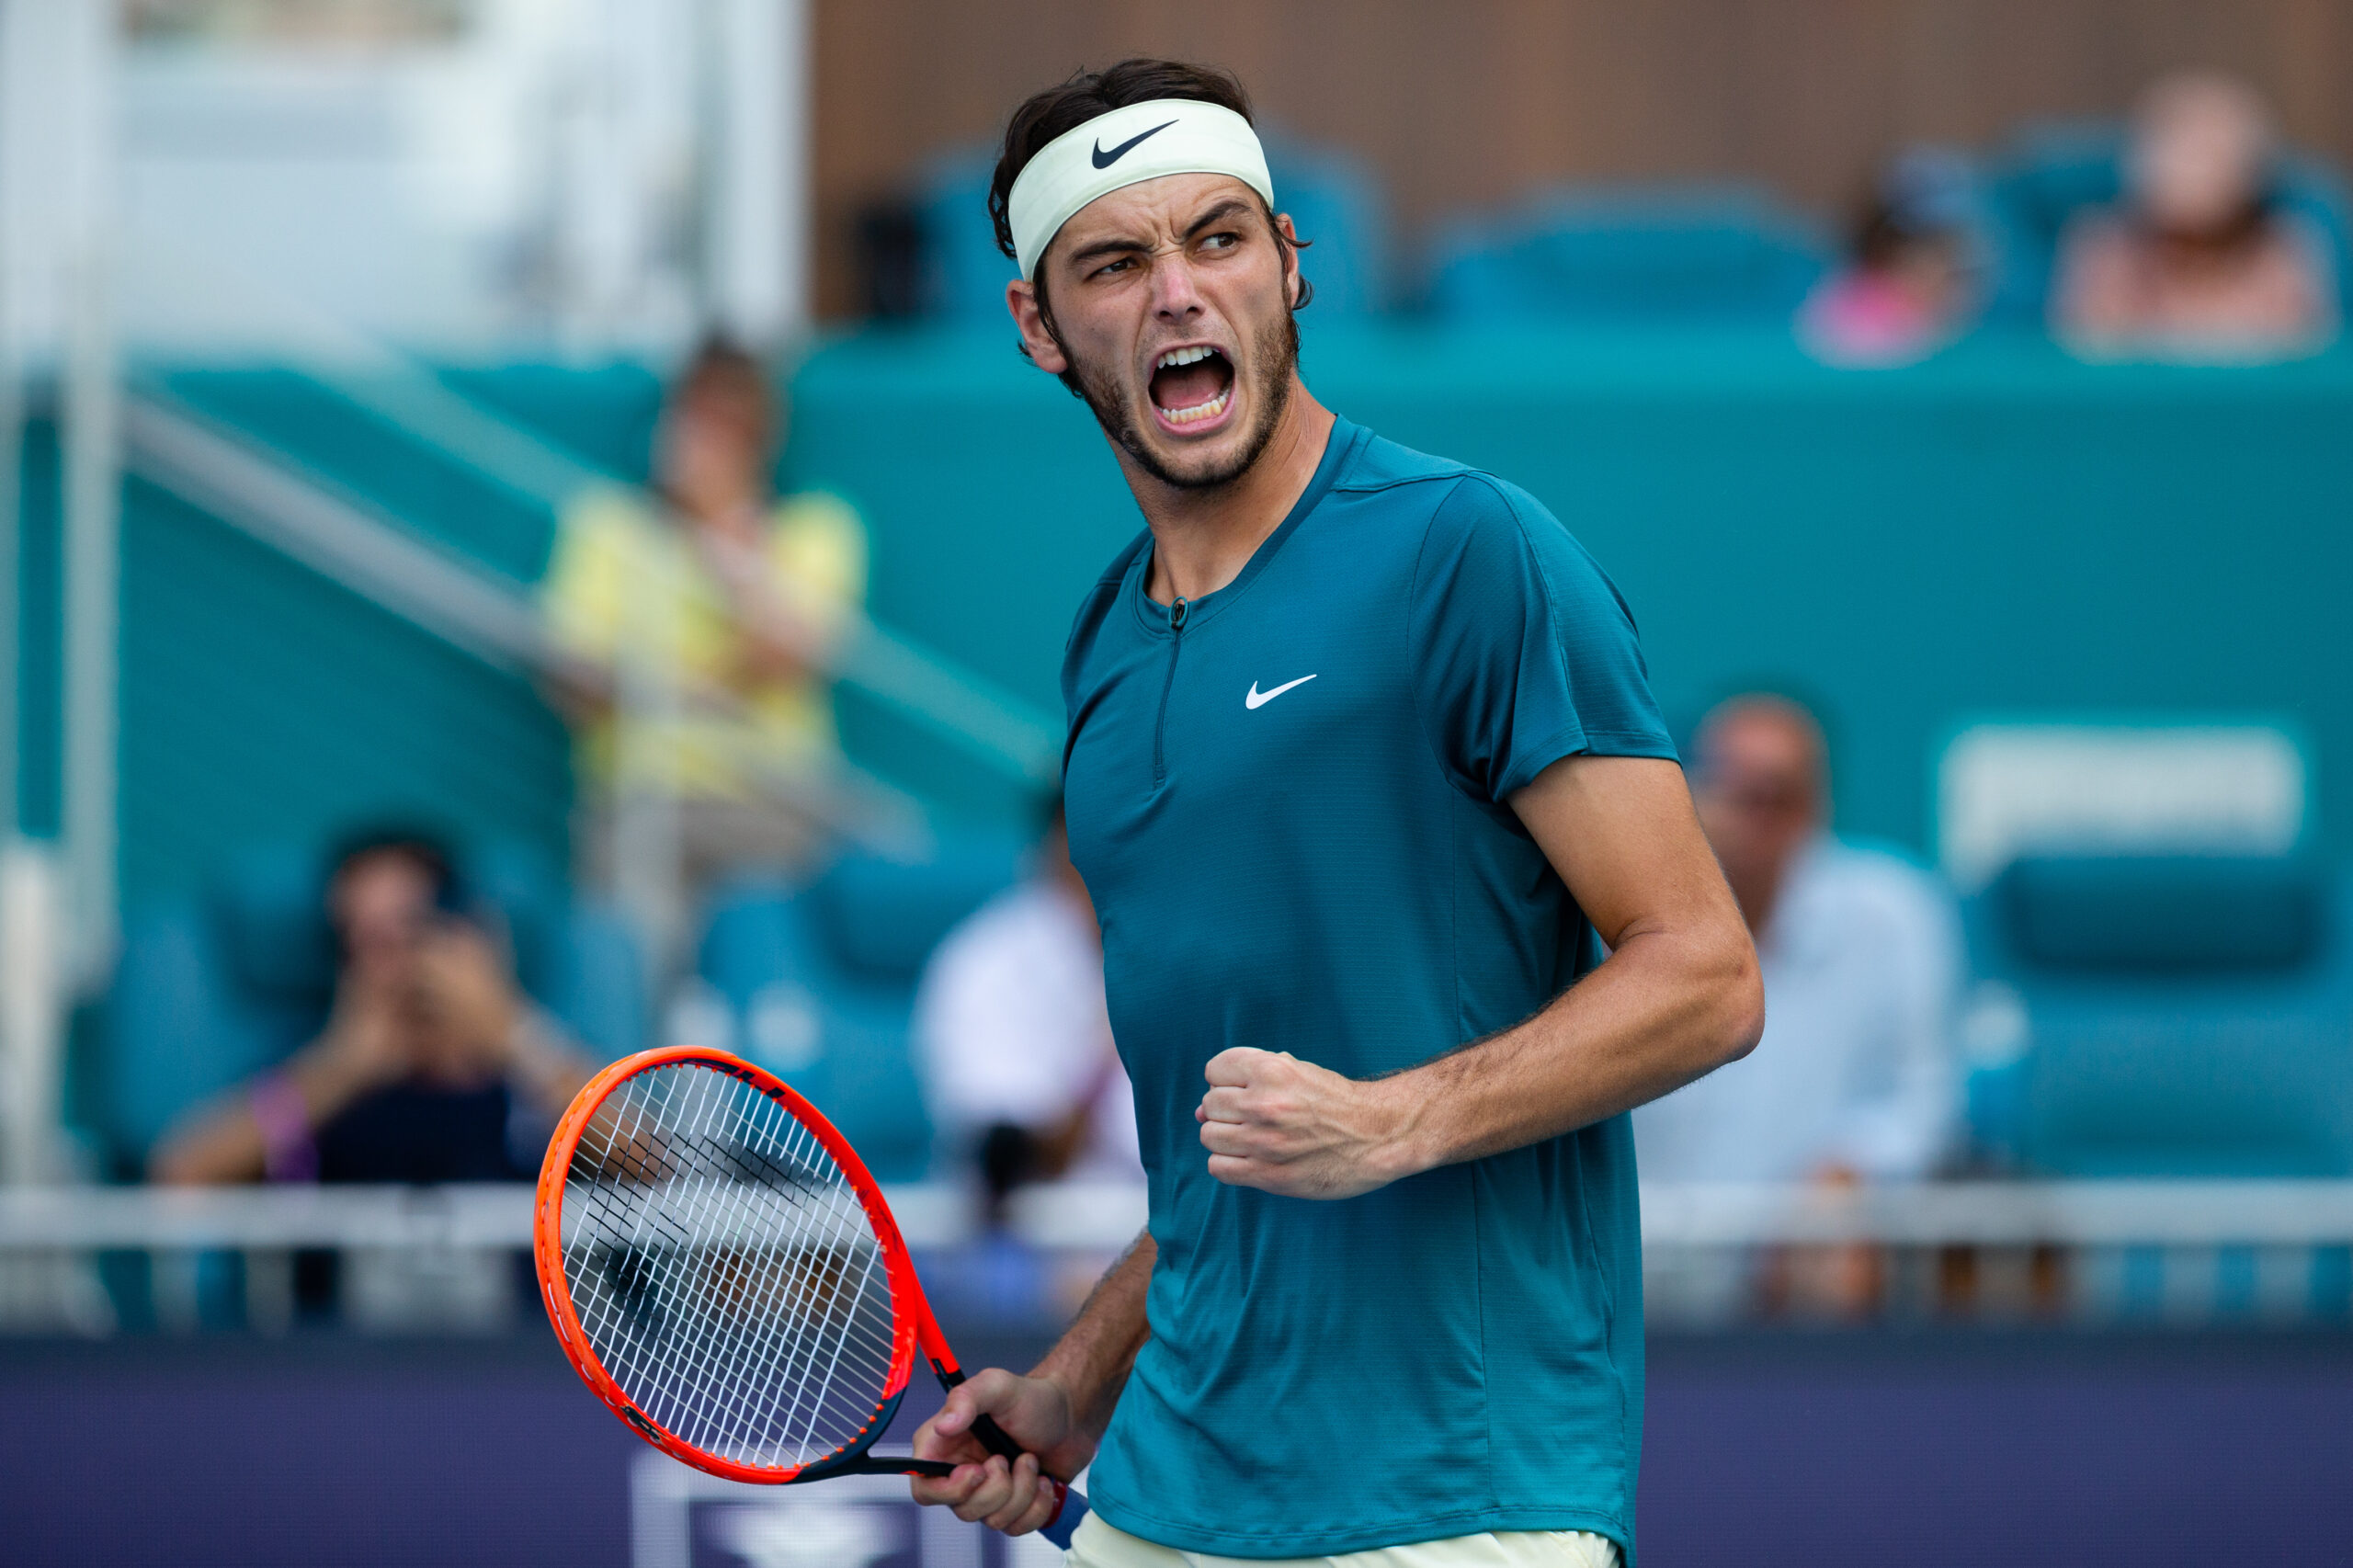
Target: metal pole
x,y
756,150
13,257
93,498
27,1103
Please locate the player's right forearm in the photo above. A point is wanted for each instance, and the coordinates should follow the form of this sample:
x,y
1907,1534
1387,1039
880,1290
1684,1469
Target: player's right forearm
x,y
1091,1362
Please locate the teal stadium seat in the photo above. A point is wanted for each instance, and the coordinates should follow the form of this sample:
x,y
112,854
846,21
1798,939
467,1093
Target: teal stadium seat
x,y
214,988
2187,1016
820,983
2053,172
1690,255
1334,202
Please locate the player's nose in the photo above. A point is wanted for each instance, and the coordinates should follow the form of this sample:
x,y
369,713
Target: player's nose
x,y
1175,297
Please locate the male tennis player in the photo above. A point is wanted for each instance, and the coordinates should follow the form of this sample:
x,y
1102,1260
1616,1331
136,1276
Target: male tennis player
x,y
1363,772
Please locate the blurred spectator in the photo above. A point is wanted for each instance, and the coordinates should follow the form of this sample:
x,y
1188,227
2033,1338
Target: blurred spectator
x,y
732,593
432,1065
2200,263
1013,1039
1861,955
1855,1078
1913,278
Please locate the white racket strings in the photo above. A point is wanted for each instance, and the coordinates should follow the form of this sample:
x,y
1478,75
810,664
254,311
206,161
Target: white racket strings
x,y
724,1271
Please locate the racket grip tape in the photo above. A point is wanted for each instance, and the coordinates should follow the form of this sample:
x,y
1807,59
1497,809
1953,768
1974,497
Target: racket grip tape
x,y
1069,1506
995,1438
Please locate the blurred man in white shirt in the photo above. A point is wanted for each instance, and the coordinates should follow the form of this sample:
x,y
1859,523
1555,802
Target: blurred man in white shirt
x,y
1019,1070
1855,1079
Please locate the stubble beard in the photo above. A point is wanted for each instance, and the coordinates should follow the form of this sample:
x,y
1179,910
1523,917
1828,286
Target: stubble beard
x,y
1276,349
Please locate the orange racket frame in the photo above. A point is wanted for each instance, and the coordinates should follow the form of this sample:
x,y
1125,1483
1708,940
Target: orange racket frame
x,y
908,1329
913,1325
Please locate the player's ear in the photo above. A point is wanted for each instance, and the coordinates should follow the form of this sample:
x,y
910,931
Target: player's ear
x,y
1295,286
1037,333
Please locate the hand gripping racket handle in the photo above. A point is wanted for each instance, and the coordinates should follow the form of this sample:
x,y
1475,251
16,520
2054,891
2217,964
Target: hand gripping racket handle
x,y
1070,1507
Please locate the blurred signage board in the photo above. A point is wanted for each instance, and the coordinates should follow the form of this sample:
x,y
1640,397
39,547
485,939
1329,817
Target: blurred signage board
x,y
2006,789
681,1518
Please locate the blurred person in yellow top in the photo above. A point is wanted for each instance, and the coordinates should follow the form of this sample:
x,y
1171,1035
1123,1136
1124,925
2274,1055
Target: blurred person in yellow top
x,y
723,591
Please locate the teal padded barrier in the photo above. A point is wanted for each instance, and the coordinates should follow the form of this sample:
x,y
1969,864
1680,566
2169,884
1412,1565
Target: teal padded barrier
x,y
2164,915
2153,1053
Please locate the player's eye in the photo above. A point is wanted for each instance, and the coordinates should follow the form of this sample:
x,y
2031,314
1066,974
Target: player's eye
x,y
1222,241
1125,264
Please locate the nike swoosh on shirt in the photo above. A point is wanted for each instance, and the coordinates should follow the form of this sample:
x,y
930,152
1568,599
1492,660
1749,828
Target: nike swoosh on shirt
x,y
1105,160
1258,699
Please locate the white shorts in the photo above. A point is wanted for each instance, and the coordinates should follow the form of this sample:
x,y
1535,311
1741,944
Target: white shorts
x,y
1098,1544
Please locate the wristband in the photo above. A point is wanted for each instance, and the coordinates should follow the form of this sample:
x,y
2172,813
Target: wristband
x,y
289,1151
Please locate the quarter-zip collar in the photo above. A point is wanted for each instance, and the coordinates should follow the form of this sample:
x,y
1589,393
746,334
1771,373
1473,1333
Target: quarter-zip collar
x,y
1154,617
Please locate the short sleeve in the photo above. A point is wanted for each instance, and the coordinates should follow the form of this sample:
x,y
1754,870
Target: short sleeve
x,y
1523,651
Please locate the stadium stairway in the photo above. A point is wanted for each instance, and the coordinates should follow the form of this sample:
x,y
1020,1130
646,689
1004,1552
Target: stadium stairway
x,y
273,696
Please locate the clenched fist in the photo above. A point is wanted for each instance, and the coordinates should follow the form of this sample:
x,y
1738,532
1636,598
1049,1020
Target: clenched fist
x,y
1273,1122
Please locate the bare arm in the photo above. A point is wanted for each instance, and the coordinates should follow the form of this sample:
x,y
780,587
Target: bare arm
x,y
1678,997
1058,1413
223,1142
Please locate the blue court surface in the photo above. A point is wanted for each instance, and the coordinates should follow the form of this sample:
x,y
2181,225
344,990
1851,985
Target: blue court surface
x,y
2018,1448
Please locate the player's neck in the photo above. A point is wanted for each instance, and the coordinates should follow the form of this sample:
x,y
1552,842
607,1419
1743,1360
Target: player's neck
x,y
1202,539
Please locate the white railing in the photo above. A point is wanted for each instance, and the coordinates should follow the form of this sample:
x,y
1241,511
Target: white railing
x,y
94,1218
1999,1213
1715,1255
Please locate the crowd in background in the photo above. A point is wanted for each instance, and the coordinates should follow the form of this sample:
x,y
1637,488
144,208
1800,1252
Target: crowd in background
x,y
432,1065
2200,261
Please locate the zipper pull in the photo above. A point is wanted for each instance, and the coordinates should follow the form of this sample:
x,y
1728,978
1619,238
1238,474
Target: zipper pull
x,y
1176,614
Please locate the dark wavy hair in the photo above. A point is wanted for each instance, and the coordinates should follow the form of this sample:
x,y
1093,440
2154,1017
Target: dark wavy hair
x,y
1069,105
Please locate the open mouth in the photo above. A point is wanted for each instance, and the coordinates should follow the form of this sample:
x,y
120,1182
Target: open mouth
x,y
1191,386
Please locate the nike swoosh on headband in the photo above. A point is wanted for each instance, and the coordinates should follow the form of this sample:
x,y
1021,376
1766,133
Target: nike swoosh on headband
x,y
1256,698
1105,160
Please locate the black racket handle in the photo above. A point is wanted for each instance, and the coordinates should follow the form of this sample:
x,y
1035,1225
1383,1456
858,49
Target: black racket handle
x,y
995,1439
1071,1506
992,1437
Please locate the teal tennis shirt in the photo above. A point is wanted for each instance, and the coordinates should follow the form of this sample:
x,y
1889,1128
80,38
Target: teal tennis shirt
x,y
1287,798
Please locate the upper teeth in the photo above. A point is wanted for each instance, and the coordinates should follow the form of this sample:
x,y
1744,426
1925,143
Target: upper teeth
x,y
1176,356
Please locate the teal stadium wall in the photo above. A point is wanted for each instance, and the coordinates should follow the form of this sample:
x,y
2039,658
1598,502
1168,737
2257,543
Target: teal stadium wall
x,y
1998,530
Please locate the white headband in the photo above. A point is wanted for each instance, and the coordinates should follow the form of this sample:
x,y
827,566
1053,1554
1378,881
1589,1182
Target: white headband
x,y
1142,142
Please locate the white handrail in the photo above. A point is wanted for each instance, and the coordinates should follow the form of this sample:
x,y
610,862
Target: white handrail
x,y
1085,1216
444,595
961,707
335,539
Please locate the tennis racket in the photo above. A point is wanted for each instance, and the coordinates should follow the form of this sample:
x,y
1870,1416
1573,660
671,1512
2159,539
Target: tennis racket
x,y
724,1274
